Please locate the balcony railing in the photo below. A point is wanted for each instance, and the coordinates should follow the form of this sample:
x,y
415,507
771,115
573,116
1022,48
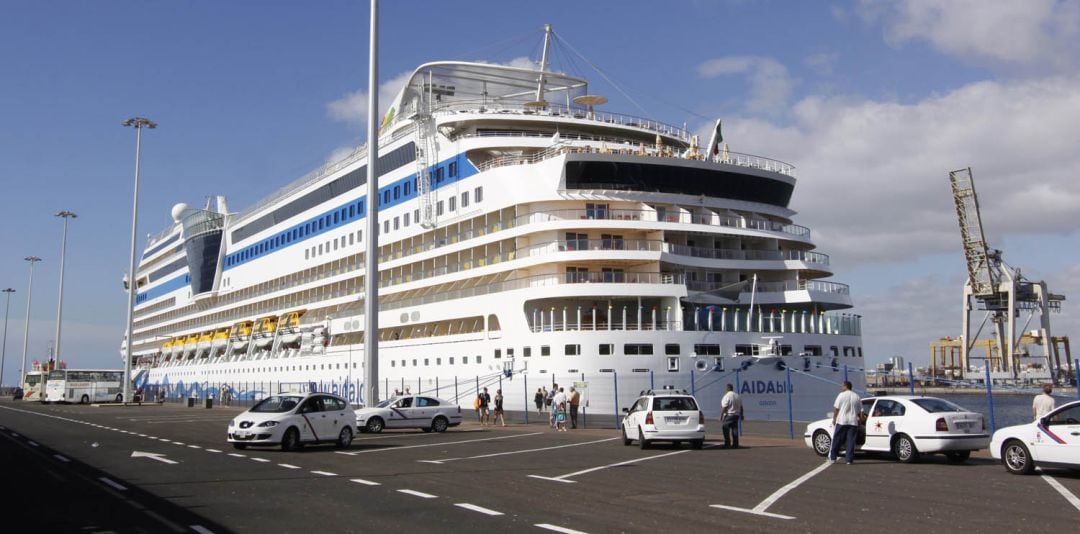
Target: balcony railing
x,y
778,321
711,219
561,110
778,287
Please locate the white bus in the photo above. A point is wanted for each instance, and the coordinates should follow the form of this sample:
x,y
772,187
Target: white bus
x,y
85,386
34,385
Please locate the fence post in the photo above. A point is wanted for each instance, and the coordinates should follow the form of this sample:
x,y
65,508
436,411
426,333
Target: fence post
x,y
693,385
738,387
990,397
790,412
911,379
456,398
583,425
1076,377
845,373
528,407
652,380
477,384
615,378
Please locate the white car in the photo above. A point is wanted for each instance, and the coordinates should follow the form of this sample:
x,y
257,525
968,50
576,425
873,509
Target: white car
x,y
1053,441
908,427
673,417
292,419
411,411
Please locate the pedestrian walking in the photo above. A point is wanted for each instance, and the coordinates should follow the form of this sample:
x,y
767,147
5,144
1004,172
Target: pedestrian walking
x,y
1043,403
485,407
846,412
539,400
499,408
476,406
575,403
731,412
560,416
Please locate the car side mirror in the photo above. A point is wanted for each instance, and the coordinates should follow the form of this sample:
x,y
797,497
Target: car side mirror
x,y
626,410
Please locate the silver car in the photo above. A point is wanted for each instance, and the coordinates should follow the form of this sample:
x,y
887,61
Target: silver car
x,y
411,411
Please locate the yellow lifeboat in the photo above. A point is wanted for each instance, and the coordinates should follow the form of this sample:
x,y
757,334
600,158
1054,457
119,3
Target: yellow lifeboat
x,y
239,335
289,328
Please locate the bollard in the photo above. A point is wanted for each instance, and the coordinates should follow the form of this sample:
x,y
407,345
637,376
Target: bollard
x,y
618,421
209,402
911,379
790,412
191,402
990,398
528,406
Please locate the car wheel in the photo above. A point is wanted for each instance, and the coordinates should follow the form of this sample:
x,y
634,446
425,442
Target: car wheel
x,y
344,439
958,457
641,440
822,442
239,446
291,440
439,424
85,399
1016,458
905,450
374,425
625,440
697,443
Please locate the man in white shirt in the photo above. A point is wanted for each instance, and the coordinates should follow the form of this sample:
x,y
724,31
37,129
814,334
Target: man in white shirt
x,y
1043,403
730,413
846,410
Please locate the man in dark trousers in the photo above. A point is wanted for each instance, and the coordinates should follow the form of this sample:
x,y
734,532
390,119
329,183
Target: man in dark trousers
x,y
730,413
575,402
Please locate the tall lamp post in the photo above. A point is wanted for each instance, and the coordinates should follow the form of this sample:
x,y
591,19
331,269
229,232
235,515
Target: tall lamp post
x,y
138,123
60,304
3,351
26,326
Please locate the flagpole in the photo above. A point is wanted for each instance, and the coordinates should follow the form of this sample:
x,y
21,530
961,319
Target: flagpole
x,y
371,266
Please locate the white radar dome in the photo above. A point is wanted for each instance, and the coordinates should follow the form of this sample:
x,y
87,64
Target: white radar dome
x,y
178,211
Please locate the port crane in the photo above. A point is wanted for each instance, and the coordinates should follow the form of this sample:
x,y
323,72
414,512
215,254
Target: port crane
x,y
1002,293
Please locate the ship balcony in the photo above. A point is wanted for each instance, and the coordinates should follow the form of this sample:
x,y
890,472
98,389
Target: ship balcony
x,y
770,321
701,218
447,113
784,292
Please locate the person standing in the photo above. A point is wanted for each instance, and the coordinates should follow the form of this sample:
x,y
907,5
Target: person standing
x,y
575,403
730,413
558,398
845,419
1043,403
498,409
539,400
485,407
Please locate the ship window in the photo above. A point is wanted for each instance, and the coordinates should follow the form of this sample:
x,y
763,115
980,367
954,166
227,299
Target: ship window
x,y
606,349
451,360
671,349
477,358
453,204
785,350
453,169
478,194
335,244
439,208
335,217
545,350
707,349
438,361
465,199
320,224
672,364
498,354
320,249
746,350
439,175
351,236
393,363
834,350
860,352
361,204
407,216
359,235
414,363
408,188
397,221
416,215
306,253
386,197
572,349
465,359
397,192
637,349
526,351
510,353
352,210
386,227
425,362
403,363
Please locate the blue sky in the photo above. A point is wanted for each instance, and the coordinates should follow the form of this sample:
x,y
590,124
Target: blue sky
x,y
873,102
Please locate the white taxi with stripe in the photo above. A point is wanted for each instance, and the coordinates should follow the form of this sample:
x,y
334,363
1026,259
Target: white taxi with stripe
x,y
292,419
410,411
1052,441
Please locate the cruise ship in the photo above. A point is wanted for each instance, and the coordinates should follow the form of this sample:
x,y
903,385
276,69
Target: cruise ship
x,y
528,237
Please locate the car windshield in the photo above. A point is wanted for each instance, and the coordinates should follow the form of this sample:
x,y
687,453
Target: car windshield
x,y
937,405
384,403
277,404
667,404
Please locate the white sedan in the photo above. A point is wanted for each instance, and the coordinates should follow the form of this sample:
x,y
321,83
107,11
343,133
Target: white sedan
x,y
292,419
908,427
411,411
1053,441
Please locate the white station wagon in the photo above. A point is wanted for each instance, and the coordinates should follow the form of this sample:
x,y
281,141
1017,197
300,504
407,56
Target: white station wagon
x,y
411,411
292,419
664,416
909,426
1053,441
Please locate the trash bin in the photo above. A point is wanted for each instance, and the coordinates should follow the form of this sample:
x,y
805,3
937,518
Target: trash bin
x,y
209,402
191,402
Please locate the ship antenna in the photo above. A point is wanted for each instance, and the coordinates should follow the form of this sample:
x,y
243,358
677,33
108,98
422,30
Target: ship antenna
x,y
543,63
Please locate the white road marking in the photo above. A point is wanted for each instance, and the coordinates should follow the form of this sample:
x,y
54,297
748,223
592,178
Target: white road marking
x,y
61,458
364,482
390,435
254,459
237,455
1073,500
417,493
476,508
177,443
771,499
194,446
289,466
153,456
32,443
324,473
557,528
201,529
211,450
15,434
354,453
444,460
111,483
563,478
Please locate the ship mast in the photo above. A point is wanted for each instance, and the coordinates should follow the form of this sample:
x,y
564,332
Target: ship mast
x,y
543,63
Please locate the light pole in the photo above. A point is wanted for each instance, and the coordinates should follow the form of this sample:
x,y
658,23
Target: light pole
x,y
26,327
138,123
3,351
65,214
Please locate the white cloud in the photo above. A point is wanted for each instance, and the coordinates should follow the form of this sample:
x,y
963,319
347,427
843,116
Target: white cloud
x,y
821,63
1022,33
873,180
770,84
353,107
339,153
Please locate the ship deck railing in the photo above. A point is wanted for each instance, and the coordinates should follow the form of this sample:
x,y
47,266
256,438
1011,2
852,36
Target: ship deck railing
x,y
820,286
554,109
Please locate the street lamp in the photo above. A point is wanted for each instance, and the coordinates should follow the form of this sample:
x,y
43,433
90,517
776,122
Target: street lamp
x,y
26,327
3,351
138,123
60,304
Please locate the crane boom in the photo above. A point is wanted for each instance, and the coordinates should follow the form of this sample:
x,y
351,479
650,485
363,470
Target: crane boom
x,y
981,274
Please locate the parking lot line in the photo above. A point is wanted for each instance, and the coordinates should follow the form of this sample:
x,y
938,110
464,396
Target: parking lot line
x,y
61,458
364,482
324,473
557,528
1073,500
114,485
444,460
391,435
254,459
289,466
417,493
237,455
211,450
771,499
475,508
563,478
440,444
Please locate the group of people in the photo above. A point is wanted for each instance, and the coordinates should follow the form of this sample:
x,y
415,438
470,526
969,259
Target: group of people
x,y
482,405
562,408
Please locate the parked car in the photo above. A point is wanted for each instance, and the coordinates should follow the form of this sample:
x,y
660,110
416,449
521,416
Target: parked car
x,y
411,411
664,416
1052,441
293,419
909,427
